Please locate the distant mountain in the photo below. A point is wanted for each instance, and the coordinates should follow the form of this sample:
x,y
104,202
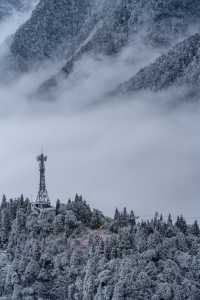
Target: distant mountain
x,y
69,27
181,65
51,30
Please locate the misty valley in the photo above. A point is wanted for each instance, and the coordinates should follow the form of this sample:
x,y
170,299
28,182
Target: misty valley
x,y
106,93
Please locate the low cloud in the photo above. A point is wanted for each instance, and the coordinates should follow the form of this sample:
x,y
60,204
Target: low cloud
x,y
141,151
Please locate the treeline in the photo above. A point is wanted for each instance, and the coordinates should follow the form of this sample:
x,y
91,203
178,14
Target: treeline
x,y
72,252
9,211
18,209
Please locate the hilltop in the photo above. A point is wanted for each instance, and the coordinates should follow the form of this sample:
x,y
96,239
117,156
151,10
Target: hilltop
x,y
73,252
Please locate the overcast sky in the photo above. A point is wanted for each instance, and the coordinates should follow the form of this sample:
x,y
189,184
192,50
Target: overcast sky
x,y
138,152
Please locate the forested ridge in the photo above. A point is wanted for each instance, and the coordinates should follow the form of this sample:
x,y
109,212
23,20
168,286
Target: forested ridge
x,y
73,252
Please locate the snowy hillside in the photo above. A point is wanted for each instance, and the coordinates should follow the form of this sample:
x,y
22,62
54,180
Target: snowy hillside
x,y
61,28
181,65
72,252
50,30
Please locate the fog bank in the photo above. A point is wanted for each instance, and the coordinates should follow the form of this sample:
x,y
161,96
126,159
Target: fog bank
x,y
141,151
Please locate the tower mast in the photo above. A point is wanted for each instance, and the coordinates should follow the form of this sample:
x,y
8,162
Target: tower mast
x,y
42,200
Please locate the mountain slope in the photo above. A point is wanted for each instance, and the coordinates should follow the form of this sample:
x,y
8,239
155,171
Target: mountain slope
x,y
181,65
61,28
50,30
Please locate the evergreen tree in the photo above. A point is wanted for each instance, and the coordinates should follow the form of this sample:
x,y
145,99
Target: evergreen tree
x,y
57,206
3,202
132,220
181,224
169,220
117,215
195,228
5,225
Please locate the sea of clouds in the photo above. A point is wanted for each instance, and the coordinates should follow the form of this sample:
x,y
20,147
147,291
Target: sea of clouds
x,y
141,151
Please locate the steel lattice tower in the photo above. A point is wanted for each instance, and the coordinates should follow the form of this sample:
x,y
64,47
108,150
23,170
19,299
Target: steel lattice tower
x,y
42,199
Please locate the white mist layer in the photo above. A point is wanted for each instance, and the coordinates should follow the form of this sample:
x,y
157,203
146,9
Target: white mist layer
x,y
137,152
